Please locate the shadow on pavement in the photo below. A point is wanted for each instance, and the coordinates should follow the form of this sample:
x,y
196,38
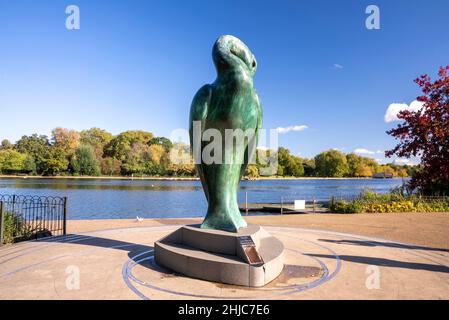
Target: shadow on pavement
x,y
368,243
381,262
133,249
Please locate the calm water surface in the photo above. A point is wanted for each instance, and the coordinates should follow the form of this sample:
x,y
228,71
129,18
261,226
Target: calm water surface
x,y
108,199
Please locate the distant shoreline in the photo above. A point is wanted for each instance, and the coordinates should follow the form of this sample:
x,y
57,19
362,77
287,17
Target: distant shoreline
x,y
176,178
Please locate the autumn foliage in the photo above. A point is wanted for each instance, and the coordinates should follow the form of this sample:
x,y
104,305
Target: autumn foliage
x,y
425,133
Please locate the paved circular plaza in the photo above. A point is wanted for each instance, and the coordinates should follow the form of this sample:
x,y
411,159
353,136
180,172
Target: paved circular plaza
x,y
119,264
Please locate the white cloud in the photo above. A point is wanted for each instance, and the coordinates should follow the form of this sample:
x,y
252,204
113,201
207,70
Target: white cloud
x,y
394,108
402,161
283,130
338,66
366,151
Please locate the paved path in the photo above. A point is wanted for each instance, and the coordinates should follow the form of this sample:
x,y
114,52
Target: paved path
x,y
426,229
118,264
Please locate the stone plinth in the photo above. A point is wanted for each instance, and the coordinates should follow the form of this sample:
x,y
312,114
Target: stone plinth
x,y
250,257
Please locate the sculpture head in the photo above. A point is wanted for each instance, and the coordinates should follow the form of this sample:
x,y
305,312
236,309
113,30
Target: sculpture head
x,y
231,54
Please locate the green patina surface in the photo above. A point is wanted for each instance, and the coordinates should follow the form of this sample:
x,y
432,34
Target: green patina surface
x,y
231,102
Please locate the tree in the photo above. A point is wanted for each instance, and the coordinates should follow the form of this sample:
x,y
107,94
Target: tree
x,y
6,144
353,162
331,163
309,167
156,153
85,162
181,161
11,161
425,133
122,143
166,143
360,166
401,172
65,140
97,138
294,167
37,146
29,165
363,170
280,171
137,159
110,166
158,159
54,162
387,169
252,171
290,165
266,161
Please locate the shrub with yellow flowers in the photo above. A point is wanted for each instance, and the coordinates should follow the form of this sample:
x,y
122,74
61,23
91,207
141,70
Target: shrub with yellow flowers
x,y
370,202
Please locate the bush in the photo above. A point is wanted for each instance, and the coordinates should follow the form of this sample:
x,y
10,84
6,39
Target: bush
x,y
370,202
16,229
13,225
342,206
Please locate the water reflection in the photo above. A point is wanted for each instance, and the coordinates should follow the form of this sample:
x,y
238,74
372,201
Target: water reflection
x,y
106,199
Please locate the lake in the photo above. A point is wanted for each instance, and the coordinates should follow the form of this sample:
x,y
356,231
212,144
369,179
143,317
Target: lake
x,y
110,199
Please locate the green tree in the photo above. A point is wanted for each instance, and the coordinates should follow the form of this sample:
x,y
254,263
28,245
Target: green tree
x,y
54,162
264,160
85,162
97,138
120,145
309,167
291,165
137,159
280,171
353,161
37,146
29,165
11,161
331,163
295,167
6,144
166,143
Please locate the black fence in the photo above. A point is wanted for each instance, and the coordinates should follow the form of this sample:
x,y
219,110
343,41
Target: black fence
x,y
31,217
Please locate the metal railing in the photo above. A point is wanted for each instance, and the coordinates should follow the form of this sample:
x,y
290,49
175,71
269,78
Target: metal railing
x,y
286,204
31,217
312,205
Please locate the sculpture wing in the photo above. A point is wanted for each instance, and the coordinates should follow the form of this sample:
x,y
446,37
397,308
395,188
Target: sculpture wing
x,y
198,112
259,117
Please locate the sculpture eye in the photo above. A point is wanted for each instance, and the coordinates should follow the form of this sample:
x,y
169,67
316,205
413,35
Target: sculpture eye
x,y
254,63
235,52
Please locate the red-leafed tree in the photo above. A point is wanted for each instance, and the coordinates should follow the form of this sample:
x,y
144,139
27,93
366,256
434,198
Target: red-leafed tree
x,y
425,133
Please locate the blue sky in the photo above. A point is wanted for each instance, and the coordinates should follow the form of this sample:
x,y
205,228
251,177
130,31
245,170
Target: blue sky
x,y
137,64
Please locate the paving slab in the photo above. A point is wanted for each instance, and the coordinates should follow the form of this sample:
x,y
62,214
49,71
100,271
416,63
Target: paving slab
x,y
119,264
